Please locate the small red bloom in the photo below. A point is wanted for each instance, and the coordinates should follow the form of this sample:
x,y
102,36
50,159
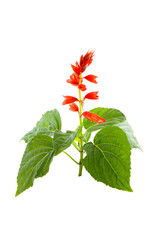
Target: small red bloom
x,y
73,107
74,80
82,87
92,95
69,99
93,117
76,68
86,60
91,78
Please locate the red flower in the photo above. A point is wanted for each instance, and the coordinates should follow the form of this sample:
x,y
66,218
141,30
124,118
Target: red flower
x,y
86,60
73,107
93,117
69,99
92,95
91,78
82,87
76,68
74,80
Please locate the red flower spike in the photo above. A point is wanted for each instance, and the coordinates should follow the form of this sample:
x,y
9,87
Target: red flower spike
x,y
91,95
74,80
86,60
93,117
76,68
73,107
69,99
91,78
82,87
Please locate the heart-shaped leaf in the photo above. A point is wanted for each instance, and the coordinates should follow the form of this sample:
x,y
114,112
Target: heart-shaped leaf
x,y
113,117
35,163
47,125
63,141
108,158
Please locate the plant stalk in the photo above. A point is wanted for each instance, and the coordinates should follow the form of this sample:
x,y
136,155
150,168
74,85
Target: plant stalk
x,y
81,131
75,145
71,157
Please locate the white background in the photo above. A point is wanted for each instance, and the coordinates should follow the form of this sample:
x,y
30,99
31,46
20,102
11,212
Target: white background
x,y
38,42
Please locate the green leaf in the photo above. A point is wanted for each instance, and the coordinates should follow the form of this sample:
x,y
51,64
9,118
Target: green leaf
x,y
35,163
108,158
87,136
62,140
113,117
47,125
130,134
77,138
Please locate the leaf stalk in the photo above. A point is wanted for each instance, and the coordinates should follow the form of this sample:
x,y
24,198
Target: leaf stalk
x,y
71,157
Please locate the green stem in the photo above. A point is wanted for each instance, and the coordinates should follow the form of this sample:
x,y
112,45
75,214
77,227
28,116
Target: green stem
x,y
75,145
81,133
71,157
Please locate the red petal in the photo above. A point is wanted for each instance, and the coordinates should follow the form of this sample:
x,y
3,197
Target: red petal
x,y
87,58
93,117
91,78
74,80
76,69
81,60
92,95
73,107
69,99
71,82
83,68
82,87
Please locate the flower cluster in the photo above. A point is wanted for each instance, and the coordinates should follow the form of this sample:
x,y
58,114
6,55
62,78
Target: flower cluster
x,y
76,79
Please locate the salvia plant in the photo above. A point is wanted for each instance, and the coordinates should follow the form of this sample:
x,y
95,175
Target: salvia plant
x,y
107,158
